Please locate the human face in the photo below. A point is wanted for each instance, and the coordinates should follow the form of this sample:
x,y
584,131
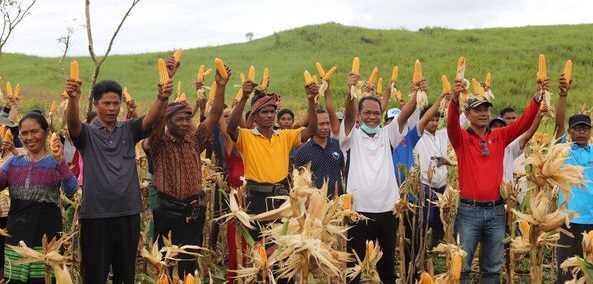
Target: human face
x,y
509,117
479,117
179,124
370,113
323,125
108,108
580,134
33,136
265,117
285,121
432,125
497,124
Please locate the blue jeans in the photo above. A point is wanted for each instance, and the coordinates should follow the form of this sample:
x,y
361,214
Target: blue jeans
x,y
486,225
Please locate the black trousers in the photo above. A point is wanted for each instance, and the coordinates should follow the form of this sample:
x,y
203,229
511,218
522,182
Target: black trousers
x,y
573,248
109,243
381,227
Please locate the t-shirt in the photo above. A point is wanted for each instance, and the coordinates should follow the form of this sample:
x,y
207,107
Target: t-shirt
x,y
581,198
403,154
433,146
111,187
326,163
511,153
266,160
371,177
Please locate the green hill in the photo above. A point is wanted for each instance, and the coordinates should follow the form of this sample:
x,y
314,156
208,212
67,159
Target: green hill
x,y
510,54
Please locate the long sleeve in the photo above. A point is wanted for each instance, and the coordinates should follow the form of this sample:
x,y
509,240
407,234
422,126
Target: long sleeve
x,y
453,126
522,124
67,179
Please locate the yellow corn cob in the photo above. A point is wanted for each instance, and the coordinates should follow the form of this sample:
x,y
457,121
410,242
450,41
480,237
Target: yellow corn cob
x,y
398,96
356,65
251,75
212,91
1,80
64,95
394,73
265,80
242,77
446,84
207,72
380,86
53,107
181,98
487,81
127,97
524,228
308,78
568,70
163,73
417,71
200,76
220,68
460,68
330,73
475,85
370,248
239,95
163,279
373,76
53,142
320,69
189,279
2,130
8,89
178,54
178,88
541,69
262,253
17,91
425,278
315,79
74,72
456,262
347,201
7,135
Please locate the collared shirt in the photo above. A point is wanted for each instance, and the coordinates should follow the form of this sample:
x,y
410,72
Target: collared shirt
x,y
266,160
480,158
111,187
177,165
371,178
581,198
433,146
403,154
511,153
326,163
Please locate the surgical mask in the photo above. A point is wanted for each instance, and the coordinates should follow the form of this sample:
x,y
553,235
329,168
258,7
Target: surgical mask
x,y
368,130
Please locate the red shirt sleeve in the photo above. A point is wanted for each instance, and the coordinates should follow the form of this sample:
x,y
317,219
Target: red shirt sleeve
x,y
453,126
522,124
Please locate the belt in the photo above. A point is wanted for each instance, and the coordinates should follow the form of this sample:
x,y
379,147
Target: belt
x,y
472,202
269,188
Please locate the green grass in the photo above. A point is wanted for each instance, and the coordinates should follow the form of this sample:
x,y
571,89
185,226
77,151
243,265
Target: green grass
x,y
510,54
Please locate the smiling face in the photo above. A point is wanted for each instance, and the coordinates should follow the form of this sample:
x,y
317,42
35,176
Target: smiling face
x,y
479,116
370,113
108,107
179,124
32,136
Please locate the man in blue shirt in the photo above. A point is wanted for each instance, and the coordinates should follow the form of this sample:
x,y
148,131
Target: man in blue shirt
x,y
325,156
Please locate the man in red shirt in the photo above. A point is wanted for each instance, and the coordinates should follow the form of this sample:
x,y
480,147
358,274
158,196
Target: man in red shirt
x,y
480,153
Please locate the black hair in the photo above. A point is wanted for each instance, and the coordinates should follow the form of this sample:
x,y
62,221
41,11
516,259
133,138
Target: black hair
x,y
320,110
372,98
506,110
425,109
247,115
283,112
105,86
90,116
39,118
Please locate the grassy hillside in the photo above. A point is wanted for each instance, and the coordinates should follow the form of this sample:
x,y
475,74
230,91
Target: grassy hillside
x,y
510,54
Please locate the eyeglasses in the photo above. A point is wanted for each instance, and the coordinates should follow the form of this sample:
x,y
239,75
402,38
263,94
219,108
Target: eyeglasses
x,y
484,145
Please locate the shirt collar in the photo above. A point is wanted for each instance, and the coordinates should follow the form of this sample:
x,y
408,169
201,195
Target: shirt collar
x,y
256,132
96,124
574,146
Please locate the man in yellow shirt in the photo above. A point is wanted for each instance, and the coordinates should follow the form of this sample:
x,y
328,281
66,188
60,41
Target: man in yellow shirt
x,y
265,150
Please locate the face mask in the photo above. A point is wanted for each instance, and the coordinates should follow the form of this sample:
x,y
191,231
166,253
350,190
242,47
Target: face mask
x,y
368,130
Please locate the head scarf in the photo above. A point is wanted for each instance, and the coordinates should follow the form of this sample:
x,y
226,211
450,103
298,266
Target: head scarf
x,y
262,99
177,107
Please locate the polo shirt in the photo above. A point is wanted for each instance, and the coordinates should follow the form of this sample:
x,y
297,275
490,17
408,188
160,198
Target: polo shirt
x,y
581,198
326,163
110,186
433,146
403,154
371,177
480,176
266,160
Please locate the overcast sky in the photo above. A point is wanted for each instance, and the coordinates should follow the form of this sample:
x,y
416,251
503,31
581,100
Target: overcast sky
x,y
157,25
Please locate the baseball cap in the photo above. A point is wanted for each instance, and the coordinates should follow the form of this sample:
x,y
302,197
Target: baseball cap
x,y
475,102
392,113
578,119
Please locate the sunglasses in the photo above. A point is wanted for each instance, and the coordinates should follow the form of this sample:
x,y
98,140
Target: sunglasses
x,y
484,145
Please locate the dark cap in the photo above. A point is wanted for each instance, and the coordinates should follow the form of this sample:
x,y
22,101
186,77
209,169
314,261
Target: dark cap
x,y
474,103
496,119
578,119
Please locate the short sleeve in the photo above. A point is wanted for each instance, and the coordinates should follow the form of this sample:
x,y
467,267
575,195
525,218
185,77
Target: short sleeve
x,y
394,134
295,137
79,141
203,138
136,129
343,138
413,136
241,139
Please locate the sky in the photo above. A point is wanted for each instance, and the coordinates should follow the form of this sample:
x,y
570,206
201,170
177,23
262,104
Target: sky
x,y
164,25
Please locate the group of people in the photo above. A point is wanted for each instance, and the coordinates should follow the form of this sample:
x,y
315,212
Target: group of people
x,y
366,151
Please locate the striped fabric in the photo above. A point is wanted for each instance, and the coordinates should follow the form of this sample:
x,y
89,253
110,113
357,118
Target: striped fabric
x,y
24,272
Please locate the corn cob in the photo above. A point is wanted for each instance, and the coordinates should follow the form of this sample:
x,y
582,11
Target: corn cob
x,y
425,278
524,228
262,253
53,145
475,85
487,81
2,130
163,279
370,248
189,279
314,78
417,71
456,262
380,86
373,76
74,71
178,54
1,80
207,72
460,68
242,77
127,97
17,91
53,107
8,89
356,65
181,98
251,75
329,74
200,75
220,68
541,68
394,73
7,135
64,95
178,93
398,96
568,70
265,80
308,78
240,92
212,91
163,73
446,84
320,69
347,201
